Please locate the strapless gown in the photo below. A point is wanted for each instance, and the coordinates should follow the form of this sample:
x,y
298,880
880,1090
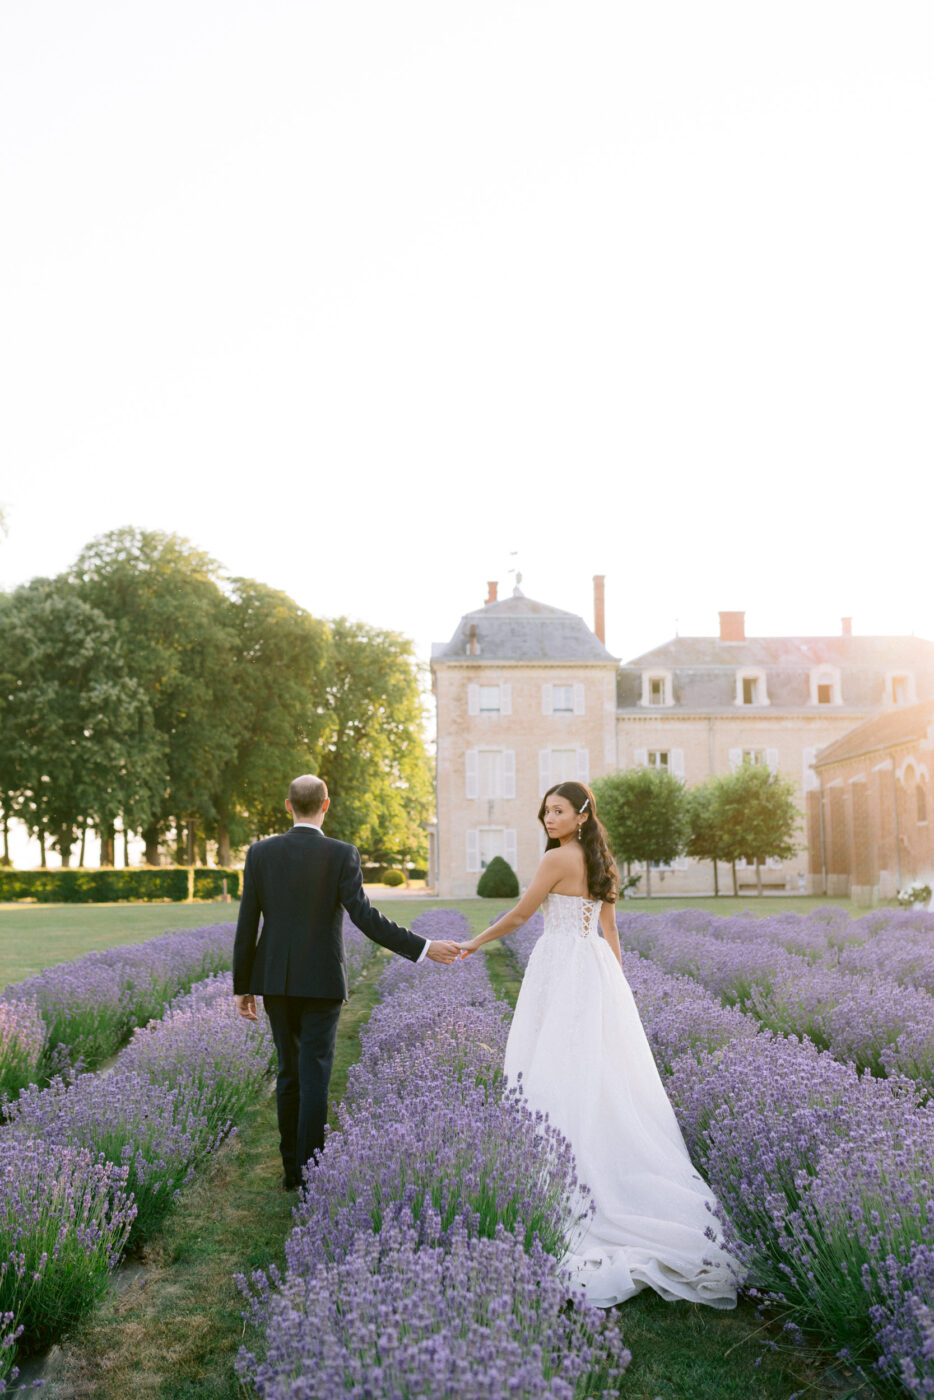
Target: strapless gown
x,y
578,1042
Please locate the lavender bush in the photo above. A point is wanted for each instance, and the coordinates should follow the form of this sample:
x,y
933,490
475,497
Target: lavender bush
x,y
404,1315
65,1217
22,1042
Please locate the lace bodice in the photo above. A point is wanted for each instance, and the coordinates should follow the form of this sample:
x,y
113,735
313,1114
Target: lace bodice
x,y
571,916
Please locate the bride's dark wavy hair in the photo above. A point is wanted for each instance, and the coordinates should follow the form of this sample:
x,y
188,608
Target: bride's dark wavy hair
x,y
601,867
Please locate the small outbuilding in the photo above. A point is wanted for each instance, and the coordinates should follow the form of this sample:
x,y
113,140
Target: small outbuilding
x,y
869,815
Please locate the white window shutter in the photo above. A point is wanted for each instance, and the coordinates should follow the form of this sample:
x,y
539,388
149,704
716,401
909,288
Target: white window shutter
x,y
473,699
509,772
505,699
578,698
736,759
473,783
640,757
510,847
544,770
583,765
771,758
473,851
810,780
548,699
677,762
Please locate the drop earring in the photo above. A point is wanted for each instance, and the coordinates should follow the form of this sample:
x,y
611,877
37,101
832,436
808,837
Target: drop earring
x,y
579,830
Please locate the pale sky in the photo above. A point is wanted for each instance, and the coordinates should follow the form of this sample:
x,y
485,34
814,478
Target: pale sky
x,y
362,297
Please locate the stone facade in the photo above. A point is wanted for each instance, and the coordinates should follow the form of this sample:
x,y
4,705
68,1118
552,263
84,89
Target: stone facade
x,y
527,694
869,813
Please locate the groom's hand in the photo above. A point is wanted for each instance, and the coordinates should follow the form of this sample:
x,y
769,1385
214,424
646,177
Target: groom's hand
x,y
442,950
246,1005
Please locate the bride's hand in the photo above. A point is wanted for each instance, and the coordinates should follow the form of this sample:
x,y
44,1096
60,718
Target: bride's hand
x,y
468,948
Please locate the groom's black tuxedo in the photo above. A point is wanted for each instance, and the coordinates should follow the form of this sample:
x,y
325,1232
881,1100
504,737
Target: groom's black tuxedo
x,y
300,884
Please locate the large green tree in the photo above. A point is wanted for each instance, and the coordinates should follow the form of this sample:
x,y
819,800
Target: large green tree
x,y
645,814
371,751
77,743
279,670
756,814
164,598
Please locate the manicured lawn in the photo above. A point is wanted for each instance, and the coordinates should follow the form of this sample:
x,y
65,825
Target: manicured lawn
x,y
34,936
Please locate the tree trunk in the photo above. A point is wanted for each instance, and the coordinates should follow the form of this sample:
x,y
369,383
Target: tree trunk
x,y
126,848
735,883
151,838
107,844
191,838
6,840
179,841
84,840
716,881
648,880
42,859
223,846
64,846
758,878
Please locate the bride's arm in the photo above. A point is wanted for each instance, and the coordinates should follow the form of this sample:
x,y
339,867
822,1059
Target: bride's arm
x,y
547,875
609,929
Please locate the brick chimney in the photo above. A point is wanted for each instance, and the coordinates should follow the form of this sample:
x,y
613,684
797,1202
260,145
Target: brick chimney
x,y
846,624
732,627
492,591
599,610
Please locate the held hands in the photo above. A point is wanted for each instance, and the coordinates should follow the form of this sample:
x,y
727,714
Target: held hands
x,y
246,1006
467,948
442,950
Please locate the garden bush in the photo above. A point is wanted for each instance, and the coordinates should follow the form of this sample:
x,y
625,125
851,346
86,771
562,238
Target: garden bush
x,y
498,881
393,877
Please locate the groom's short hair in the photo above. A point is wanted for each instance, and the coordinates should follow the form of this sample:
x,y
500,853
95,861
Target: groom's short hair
x,y
307,795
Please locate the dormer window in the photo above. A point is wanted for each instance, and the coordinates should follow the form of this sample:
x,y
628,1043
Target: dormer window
x,y
825,686
656,688
900,688
750,688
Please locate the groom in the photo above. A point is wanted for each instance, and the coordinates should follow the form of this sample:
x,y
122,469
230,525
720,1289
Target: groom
x,y
300,883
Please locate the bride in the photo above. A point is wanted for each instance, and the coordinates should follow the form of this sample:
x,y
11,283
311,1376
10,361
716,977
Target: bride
x,y
578,1043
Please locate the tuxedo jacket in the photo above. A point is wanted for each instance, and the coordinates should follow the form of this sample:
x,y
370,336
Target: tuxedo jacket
x,y
300,883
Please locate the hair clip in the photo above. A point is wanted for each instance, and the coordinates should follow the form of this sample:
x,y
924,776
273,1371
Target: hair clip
x,y
586,804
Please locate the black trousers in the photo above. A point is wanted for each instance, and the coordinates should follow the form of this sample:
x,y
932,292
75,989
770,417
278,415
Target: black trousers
x,y
304,1030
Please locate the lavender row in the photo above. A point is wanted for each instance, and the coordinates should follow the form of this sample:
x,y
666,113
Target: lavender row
x,y
81,1012
423,1259
866,1017
91,1164
824,1173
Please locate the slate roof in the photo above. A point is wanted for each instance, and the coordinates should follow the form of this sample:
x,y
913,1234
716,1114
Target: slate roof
x,y
902,725
704,669
520,629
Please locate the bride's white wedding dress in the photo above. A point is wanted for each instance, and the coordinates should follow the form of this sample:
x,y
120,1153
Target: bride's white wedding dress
x,y
578,1043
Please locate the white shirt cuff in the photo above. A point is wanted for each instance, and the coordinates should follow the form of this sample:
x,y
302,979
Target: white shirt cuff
x,y
424,952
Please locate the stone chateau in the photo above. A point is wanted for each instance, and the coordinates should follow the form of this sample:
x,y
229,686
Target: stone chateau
x,y
527,695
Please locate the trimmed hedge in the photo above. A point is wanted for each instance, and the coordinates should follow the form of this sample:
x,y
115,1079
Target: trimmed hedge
x,y
209,883
393,877
498,881
110,886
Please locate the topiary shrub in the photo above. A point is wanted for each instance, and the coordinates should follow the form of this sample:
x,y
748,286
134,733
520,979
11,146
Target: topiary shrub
x,y
393,877
498,881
